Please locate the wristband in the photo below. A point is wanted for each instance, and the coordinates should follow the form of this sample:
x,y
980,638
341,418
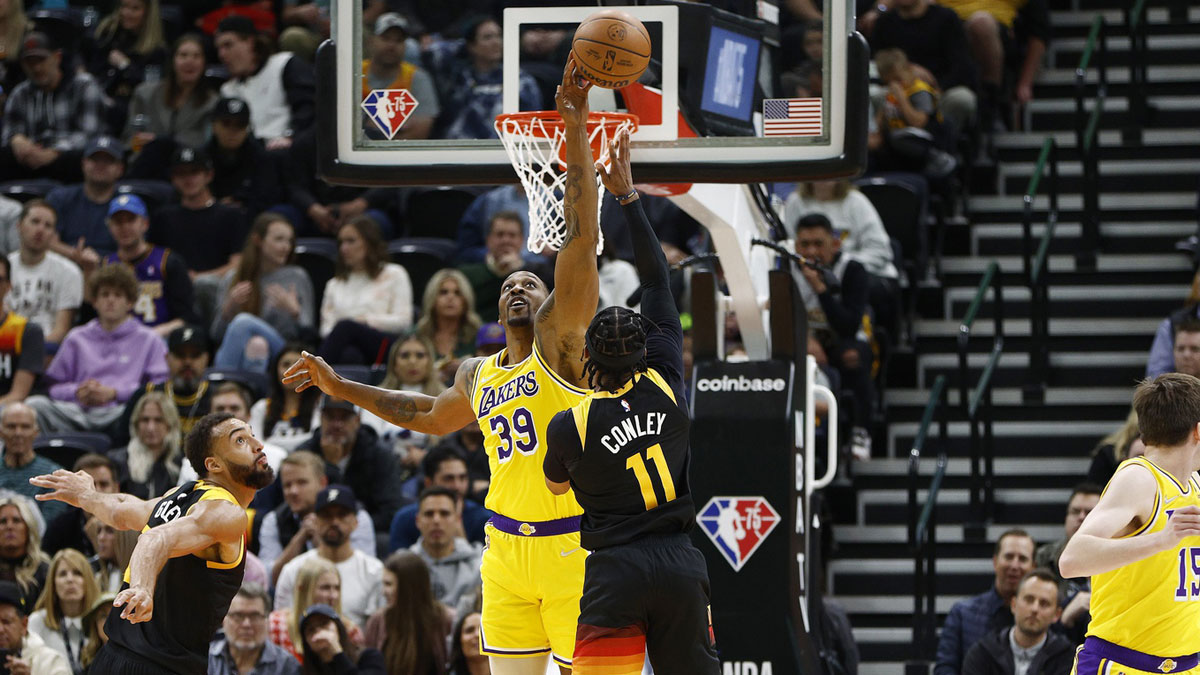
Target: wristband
x,y
628,198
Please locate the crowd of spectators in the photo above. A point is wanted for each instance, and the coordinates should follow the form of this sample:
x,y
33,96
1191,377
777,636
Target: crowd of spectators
x,y
151,276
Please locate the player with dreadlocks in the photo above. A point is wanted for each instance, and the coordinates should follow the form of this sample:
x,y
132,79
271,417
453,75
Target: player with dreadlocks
x,y
624,451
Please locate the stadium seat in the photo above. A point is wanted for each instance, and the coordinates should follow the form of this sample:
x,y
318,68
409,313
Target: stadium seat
x,y
422,257
24,190
65,448
256,382
317,256
901,202
435,212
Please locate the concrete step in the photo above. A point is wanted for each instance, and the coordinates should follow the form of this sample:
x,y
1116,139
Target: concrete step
x,y
992,239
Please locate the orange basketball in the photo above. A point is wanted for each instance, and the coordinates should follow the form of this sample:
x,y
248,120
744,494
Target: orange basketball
x,y
611,48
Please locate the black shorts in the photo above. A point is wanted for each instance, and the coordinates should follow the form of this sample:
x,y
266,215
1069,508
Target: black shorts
x,y
651,597
114,659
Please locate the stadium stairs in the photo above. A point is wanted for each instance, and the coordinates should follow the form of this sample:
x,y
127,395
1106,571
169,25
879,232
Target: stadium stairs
x,y
1101,326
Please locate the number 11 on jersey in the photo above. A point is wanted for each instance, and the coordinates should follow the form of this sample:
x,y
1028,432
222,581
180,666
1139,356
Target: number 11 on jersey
x,y
637,465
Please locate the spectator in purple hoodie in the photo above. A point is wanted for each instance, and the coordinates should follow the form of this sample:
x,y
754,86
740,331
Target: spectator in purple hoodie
x,y
101,363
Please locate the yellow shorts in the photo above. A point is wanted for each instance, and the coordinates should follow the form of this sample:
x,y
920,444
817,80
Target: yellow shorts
x,y
531,591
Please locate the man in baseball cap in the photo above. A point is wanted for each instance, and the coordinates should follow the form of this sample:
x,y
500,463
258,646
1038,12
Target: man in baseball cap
x,y
83,207
388,69
244,175
165,298
47,141
336,512
28,656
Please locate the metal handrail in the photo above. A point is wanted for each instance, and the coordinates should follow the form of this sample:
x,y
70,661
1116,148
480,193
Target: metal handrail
x,y
1037,375
1086,140
976,403
1139,109
922,526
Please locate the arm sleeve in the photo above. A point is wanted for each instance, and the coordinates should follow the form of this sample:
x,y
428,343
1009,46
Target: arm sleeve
x,y
300,83
563,446
331,311
70,292
301,170
85,122
956,54
976,660
363,536
285,585
387,492
470,232
1034,20
397,316
949,648
177,287
14,115
305,295
923,101
664,343
62,371
845,310
156,370
269,548
33,349
1162,357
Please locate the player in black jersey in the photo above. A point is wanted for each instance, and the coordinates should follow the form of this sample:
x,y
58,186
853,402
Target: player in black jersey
x,y
188,562
624,450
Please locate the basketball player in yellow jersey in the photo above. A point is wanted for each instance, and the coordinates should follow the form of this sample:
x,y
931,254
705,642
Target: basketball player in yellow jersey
x,y
533,566
1141,544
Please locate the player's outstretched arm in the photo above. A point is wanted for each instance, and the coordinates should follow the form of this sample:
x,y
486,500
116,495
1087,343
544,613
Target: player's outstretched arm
x,y
440,415
664,347
210,522
576,281
119,511
1127,504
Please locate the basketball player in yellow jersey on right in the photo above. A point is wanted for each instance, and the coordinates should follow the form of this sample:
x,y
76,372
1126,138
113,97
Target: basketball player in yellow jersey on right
x,y
1141,544
533,565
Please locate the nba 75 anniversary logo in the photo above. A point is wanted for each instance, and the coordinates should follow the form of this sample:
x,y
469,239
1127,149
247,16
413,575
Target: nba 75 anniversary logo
x,y
737,526
389,109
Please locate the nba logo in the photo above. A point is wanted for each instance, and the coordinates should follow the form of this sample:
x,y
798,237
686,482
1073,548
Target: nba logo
x,y
737,526
389,109
625,405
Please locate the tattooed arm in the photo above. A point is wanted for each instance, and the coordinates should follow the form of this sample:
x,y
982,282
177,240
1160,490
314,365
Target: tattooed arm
x,y
564,317
449,411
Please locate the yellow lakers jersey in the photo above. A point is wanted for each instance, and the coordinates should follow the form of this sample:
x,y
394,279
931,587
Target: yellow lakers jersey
x,y
514,403
1153,605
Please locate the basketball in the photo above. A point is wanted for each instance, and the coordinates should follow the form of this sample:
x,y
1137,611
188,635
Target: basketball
x,y
611,48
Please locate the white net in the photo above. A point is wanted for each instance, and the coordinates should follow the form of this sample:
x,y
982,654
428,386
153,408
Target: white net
x,y
533,144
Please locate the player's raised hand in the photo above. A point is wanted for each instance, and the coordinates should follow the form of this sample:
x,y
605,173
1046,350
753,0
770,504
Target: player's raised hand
x,y
66,486
138,604
310,371
617,176
572,95
1183,522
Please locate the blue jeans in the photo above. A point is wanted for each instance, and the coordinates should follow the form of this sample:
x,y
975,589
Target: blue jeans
x,y
232,352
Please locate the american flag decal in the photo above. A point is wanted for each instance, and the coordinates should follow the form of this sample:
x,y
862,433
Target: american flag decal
x,y
792,117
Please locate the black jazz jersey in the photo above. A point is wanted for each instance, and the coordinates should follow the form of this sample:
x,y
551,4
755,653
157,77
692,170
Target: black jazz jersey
x,y
626,454
191,595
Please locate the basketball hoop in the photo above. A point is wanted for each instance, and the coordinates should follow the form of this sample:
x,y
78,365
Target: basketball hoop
x,y
534,141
